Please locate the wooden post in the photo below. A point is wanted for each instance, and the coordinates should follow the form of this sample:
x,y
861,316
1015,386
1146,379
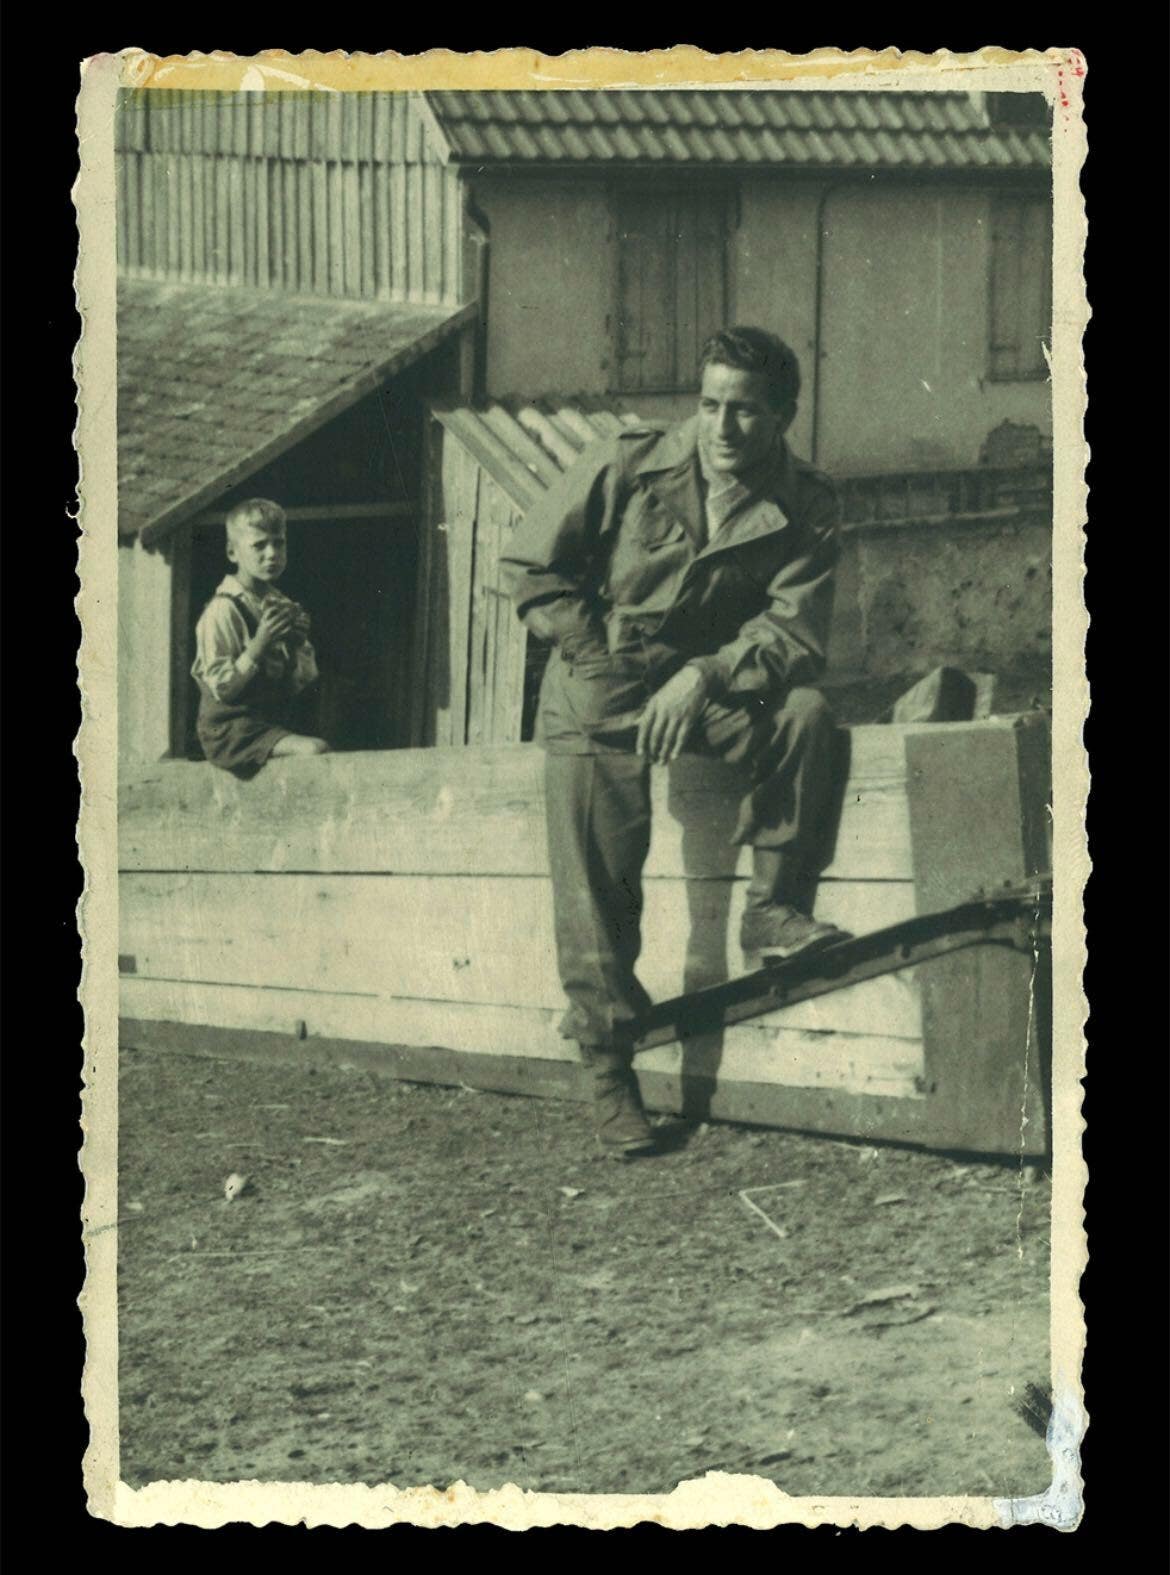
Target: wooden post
x,y
177,552
144,652
467,361
977,801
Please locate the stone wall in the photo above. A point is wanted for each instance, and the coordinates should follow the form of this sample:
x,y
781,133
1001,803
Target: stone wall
x,y
973,591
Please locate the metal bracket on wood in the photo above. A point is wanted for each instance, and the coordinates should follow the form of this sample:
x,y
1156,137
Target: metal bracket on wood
x,y
1019,917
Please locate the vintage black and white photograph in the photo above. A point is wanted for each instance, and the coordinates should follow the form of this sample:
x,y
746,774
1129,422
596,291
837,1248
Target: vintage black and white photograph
x,y
584,701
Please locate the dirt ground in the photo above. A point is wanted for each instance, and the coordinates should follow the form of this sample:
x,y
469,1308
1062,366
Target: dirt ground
x,y
425,1285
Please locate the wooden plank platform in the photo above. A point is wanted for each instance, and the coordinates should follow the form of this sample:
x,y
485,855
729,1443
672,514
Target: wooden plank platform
x,y
763,1051
450,938
402,900
472,811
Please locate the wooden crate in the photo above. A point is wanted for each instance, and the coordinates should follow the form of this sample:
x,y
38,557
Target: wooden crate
x,y
396,908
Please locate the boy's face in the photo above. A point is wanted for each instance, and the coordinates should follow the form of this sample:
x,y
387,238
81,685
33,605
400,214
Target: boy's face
x,y
260,553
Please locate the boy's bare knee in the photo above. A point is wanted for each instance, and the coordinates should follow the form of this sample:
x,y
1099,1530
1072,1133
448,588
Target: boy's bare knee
x,y
299,744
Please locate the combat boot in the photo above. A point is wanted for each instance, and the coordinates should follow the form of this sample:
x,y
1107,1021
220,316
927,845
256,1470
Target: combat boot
x,y
619,1120
776,923
780,931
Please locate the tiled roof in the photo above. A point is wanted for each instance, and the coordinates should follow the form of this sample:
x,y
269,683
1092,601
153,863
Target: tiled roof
x,y
524,445
839,131
213,383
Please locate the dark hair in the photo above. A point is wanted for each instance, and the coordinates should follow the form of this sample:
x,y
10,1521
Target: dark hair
x,y
756,350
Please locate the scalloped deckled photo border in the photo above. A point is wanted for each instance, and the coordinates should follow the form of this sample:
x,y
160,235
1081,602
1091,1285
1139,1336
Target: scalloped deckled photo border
x,y
715,1499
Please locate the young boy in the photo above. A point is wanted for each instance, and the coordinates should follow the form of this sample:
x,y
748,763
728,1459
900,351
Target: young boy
x,y
253,656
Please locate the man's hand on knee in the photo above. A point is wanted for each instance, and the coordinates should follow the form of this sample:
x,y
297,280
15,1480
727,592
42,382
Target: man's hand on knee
x,y
670,715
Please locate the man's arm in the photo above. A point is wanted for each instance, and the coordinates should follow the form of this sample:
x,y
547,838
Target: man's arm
x,y
549,564
783,647
787,644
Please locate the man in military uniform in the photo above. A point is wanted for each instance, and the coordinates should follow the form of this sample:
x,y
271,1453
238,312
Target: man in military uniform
x,y
685,580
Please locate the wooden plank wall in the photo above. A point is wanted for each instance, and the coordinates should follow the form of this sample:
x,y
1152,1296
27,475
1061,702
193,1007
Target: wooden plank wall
x,y
403,900
496,679
446,565
336,194
484,470
471,645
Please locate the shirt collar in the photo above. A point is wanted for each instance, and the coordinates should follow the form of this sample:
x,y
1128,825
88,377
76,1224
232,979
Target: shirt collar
x,y
231,585
762,505
679,445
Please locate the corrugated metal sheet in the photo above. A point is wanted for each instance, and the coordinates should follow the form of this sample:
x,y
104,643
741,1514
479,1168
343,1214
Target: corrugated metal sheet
x,y
524,445
839,131
213,384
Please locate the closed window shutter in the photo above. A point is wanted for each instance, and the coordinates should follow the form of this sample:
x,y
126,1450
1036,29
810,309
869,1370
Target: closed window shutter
x,y
1021,286
671,285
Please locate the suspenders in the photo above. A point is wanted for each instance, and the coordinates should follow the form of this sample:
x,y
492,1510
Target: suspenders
x,y
241,606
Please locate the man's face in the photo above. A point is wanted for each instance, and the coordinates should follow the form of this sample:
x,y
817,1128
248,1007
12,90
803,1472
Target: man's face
x,y
259,555
737,425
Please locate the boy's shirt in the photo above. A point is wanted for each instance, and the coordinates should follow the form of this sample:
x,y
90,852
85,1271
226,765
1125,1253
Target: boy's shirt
x,y
221,668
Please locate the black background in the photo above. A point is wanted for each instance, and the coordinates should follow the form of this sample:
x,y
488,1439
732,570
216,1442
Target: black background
x,y
1124,184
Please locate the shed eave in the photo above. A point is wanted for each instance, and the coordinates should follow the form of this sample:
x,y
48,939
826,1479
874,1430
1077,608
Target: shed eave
x,y
666,169
163,523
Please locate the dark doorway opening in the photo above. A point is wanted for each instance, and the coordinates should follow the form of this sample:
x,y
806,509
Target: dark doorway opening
x,y
351,491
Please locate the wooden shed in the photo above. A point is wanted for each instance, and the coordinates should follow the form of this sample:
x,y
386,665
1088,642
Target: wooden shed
x,y
230,393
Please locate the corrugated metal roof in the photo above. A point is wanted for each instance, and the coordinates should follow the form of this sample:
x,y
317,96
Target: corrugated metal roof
x,y
524,445
838,131
214,383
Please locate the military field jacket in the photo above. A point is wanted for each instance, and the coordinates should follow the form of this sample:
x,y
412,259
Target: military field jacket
x,y
614,561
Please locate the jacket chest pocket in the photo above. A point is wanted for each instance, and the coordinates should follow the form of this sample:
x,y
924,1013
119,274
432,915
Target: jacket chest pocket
x,y
650,555
651,523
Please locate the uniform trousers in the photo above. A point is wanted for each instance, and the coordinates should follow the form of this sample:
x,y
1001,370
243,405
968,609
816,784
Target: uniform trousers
x,y
598,816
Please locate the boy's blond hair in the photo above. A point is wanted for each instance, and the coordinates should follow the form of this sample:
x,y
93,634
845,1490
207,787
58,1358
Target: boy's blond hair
x,y
254,514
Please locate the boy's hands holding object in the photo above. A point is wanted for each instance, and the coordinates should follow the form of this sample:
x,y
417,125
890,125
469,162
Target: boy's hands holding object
x,y
276,623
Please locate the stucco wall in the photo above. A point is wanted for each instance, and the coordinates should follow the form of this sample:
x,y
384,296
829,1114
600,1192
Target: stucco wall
x,y
903,381
774,277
